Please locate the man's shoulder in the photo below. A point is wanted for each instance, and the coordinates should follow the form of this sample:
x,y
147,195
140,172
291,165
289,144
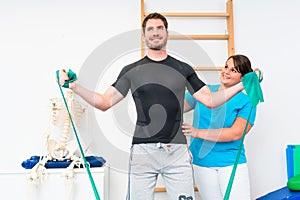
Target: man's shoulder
x,y
180,65
134,64
178,60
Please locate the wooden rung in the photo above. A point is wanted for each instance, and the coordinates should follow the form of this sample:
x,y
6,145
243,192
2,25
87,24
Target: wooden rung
x,y
163,189
227,15
182,14
160,189
198,68
198,37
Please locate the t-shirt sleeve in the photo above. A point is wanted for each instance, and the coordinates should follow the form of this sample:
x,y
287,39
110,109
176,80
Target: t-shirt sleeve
x,y
194,83
122,84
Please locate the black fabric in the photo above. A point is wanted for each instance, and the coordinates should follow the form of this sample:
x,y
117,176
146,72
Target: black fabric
x,y
158,89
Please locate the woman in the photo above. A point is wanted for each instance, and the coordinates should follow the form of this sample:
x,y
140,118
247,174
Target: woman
x,y
216,136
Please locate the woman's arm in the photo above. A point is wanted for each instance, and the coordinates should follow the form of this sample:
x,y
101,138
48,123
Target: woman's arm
x,y
186,106
235,132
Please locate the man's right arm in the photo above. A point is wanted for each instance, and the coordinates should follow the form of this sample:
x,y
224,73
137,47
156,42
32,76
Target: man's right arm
x,y
100,101
97,100
215,99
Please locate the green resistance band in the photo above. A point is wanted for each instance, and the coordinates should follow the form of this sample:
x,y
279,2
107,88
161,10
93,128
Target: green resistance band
x,y
229,186
252,87
73,77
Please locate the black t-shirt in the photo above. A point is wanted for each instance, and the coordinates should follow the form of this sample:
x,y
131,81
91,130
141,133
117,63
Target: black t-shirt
x,y
158,89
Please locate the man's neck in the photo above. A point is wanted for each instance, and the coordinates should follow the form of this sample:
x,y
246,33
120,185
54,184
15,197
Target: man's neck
x,y
157,55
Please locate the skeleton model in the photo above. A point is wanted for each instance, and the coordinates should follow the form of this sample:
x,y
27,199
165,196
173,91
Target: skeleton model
x,y
60,145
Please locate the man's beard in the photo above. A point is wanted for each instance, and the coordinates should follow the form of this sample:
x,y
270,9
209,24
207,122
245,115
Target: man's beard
x,y
156,47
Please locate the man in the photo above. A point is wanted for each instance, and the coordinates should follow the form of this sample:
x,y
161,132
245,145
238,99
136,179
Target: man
x,y
157,83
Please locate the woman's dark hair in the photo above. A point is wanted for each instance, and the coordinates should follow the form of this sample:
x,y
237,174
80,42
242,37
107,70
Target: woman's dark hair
x,y
154,16
241,63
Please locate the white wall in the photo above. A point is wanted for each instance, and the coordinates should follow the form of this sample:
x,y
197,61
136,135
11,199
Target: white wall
x,y
37,38
268,32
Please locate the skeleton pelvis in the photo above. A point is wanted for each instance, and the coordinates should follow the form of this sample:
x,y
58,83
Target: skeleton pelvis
x,y
61,152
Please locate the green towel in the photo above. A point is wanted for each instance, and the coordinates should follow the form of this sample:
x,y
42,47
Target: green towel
x,y
252,87
71,75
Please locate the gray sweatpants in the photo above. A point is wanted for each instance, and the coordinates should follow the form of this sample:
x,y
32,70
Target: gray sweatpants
x,y
172,161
